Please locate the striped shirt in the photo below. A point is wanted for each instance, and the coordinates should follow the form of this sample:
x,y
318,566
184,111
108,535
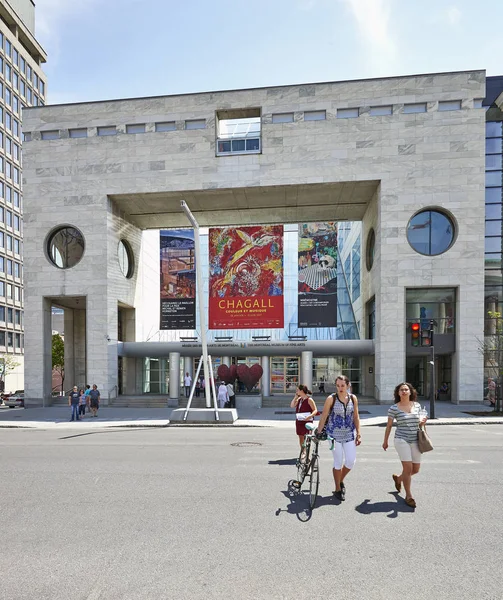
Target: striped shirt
x,y
407,424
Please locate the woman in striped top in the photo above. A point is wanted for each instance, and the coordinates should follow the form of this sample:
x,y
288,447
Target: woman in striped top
x,y
406,413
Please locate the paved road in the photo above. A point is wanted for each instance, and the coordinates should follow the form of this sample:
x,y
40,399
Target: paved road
x,y
183,513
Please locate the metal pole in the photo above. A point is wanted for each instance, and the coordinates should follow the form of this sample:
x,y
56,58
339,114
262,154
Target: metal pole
x,y
202,316
433,382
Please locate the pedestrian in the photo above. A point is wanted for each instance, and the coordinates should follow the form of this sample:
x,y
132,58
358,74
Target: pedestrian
x,y
88,399
187,382
198,387
82,403
73,401
305,411
406,412
232,395
223,394
340,414
491,391
94,395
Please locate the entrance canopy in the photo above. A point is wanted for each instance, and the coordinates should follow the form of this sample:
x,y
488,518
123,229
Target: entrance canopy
x,y
250,205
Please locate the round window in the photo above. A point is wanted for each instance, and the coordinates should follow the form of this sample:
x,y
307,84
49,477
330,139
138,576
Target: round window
x,y
126,260
430,232
371,246
65,247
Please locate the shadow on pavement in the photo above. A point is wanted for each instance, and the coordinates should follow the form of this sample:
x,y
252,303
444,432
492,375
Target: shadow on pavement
x,y
108,430
283,461
299,503
393,508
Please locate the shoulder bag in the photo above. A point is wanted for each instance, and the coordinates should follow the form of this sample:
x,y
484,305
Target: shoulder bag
x,y
423,441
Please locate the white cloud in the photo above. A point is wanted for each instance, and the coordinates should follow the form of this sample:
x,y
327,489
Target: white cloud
x,y
453,15
51,16
372,20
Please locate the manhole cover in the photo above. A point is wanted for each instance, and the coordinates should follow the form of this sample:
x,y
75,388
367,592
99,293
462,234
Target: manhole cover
x,y
245,444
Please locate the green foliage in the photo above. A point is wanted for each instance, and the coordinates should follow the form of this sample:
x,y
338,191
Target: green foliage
x,y
58,353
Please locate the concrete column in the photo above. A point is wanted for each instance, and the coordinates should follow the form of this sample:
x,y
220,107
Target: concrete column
x,y
266,377
79,347
38,352
226,360
69,349
174,375
187,366
306,369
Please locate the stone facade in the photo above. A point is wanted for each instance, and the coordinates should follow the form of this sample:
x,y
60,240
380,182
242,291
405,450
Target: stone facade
x,y
108,185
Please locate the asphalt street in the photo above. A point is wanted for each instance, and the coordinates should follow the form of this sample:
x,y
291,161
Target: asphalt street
x,y
206,513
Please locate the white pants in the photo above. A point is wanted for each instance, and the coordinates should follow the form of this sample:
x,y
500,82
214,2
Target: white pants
x,y
344,454
407,451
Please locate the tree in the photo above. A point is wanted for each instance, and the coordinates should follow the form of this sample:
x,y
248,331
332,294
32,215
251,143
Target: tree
x,y
58,357
8,363
492,349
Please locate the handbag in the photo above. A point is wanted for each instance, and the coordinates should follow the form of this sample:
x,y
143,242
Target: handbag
x,y
423,441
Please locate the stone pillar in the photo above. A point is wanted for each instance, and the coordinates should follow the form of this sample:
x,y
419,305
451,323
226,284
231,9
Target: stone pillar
x,y
79,348
187,367
174,375
38,352
266,377
69,349
226,360
306,369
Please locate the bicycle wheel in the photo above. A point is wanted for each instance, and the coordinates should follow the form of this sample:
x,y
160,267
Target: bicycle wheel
x,y
314,482
303,462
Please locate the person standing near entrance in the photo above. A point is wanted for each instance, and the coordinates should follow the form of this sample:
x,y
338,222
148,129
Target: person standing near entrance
x,y
223,394
341,416
94,395
73,401
232,395
305,407
187,383
406,411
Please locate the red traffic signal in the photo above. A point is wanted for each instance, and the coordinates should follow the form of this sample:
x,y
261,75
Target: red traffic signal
x,y
415,334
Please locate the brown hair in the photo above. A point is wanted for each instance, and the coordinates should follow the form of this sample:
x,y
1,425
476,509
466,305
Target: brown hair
x,y
344,378
303,388
413,392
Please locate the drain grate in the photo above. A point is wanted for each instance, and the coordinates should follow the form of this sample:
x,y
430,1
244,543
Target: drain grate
x,y
245,444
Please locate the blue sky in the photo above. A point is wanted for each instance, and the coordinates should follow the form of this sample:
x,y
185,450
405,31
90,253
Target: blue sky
x,y
100,49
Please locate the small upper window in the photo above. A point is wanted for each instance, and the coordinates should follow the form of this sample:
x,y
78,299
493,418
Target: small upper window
x,y
430,232
195,124
81,132
110,130
381,111
370,251
282,118
27,136
137,128
315,115
348,113
166,126
65,247
449,105
126,258
50,135
418,107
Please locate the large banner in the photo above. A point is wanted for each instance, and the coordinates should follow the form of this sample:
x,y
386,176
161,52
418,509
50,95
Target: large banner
x,y
317,300
178,279
246,277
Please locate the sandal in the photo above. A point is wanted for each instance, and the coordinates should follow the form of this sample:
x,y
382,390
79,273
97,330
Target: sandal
x,y
410,502
398,485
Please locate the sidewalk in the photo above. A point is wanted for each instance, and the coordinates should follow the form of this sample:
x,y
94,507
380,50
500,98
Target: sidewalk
x,y
371,415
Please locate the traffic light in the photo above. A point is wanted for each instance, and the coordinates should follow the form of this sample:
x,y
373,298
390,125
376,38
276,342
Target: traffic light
x,y
415,329
426,337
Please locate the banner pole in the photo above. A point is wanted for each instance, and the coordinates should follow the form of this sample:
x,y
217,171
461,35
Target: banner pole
x,y
199,296
187,408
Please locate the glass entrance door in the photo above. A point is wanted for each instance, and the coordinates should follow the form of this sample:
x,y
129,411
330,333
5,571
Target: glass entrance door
x,y
415,373
284,374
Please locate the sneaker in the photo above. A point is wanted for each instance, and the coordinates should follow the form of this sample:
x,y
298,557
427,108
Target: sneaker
x,y
343,492
338,495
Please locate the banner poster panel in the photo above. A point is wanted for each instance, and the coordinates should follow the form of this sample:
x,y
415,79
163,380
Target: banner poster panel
x,y
317,298
178,279
246,277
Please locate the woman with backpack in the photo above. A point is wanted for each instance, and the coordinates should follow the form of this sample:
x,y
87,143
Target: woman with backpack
x,y
340,414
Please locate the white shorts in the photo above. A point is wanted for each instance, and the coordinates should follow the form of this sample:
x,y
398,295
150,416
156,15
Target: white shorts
x,y
344,454
407,451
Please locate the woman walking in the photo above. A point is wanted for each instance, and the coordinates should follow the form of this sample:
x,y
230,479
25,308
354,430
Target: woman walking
x,y
406,412
305,407
82,403
341,416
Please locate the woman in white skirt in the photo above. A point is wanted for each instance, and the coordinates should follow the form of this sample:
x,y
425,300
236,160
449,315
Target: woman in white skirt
x,y
408,420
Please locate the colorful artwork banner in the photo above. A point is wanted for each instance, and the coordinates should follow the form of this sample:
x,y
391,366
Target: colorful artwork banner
x,y
178,279
246,277
317,268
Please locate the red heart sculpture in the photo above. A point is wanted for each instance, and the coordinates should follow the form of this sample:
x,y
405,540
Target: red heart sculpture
x,y
249,376
256,373
223,374
233,373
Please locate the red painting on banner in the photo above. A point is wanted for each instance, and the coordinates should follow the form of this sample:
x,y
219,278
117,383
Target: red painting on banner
x,y
246,277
